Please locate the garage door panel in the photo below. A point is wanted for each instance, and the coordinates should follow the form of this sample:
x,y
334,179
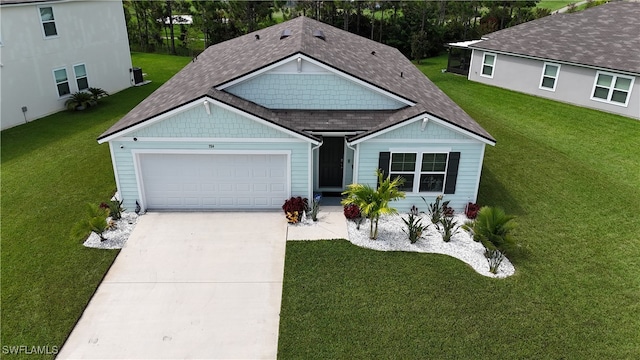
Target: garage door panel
x,y
211,181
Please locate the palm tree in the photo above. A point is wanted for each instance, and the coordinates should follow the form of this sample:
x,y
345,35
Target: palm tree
x,y
374,202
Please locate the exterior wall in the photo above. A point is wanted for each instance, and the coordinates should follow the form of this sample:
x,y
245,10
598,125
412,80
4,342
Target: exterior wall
x,y
434,138
311,92
574,83
89,32
208,138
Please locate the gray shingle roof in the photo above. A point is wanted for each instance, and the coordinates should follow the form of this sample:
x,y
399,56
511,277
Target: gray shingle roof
x,y
605,36
347,52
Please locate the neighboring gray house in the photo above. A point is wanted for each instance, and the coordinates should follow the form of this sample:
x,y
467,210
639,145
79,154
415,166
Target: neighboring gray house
x,y
50,49
590,58
291,110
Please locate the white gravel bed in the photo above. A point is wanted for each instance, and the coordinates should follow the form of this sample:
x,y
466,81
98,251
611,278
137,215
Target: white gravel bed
x,y
461,246
117,237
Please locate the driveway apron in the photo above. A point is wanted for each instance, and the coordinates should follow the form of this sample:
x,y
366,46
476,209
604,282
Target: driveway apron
x,y
189,286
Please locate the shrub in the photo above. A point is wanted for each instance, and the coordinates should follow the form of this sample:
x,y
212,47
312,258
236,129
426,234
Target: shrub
x,y
438,210
115,208
374,202
78,101
448,227
315,207
293,217
97,93
494,258
471,210
414,225
352,212
494,229
294,204
95,221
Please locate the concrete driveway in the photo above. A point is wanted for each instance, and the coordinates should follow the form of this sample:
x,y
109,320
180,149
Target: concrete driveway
x,y
189,286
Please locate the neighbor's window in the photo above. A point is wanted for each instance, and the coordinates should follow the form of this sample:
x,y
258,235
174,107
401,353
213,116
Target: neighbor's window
x,y
80,72
48,21
549,76
429,171
488,63
62,82
612,88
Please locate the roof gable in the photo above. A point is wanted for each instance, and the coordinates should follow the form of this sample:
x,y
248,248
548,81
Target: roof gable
x,y
606,36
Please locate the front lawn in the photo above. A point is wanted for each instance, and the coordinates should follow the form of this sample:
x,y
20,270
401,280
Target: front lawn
x,y
572,177
50,169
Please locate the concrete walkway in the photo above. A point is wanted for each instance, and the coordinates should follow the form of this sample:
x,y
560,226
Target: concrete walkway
x,y
189,286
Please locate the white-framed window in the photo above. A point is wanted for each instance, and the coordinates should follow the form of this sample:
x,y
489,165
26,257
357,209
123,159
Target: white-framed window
x,y
612,88
488,64
80,72
62,81
422,172
48,21
549,78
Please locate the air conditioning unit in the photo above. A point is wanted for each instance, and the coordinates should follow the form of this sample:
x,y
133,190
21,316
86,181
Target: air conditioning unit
x,y
137,76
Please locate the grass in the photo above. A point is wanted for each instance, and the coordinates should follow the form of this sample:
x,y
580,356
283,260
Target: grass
x,y
554,4
571,176
51,168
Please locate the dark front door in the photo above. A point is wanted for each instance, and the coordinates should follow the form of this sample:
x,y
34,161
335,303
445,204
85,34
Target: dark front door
x,y
330,162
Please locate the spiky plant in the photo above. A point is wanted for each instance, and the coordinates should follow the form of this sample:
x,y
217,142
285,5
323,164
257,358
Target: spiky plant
x,y
494,229
374,202
95,221
448,227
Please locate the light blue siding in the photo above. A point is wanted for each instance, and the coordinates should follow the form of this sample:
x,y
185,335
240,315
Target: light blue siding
x,y
434,138
311,92
221,123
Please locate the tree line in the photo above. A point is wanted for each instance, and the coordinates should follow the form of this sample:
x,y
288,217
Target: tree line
x,y
418,29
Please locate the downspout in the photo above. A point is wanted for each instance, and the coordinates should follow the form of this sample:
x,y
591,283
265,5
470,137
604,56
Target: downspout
x,y
311,167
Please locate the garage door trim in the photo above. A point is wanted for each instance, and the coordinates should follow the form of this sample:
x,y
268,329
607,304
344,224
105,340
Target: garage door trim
x,y
137,153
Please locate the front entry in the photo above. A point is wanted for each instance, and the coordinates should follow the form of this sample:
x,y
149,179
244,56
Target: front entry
x,y
331,162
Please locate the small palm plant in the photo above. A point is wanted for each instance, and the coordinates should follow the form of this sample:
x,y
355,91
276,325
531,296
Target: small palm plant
x,y
494,229
78,101
374,202
97,93
95,221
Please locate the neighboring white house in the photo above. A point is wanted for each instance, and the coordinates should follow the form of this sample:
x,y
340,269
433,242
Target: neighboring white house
x,y
590,58
50,49
291,110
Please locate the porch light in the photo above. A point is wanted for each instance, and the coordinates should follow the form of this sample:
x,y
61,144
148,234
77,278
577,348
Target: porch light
x,y
424,123
206,107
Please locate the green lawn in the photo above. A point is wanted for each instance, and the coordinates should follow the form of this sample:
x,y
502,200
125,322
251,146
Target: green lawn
x,y
50,169
554,4
572,177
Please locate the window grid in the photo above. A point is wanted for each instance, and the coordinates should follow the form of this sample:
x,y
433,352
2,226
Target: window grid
x,y
48,21
612,88
430,173
550,74
62,81
488,64
80,72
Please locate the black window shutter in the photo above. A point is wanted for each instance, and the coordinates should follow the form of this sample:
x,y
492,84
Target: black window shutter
x,y
383,163
452,173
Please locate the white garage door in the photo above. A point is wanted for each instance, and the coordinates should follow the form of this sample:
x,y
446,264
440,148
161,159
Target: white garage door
x,y
214,181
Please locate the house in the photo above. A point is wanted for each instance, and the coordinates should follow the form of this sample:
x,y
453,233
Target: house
x,y
291,110
50,49
589,58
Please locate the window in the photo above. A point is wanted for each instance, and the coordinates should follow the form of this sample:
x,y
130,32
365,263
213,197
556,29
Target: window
x,y
429,172
62,82
48,21
80,72
612,88
549,76
488,63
